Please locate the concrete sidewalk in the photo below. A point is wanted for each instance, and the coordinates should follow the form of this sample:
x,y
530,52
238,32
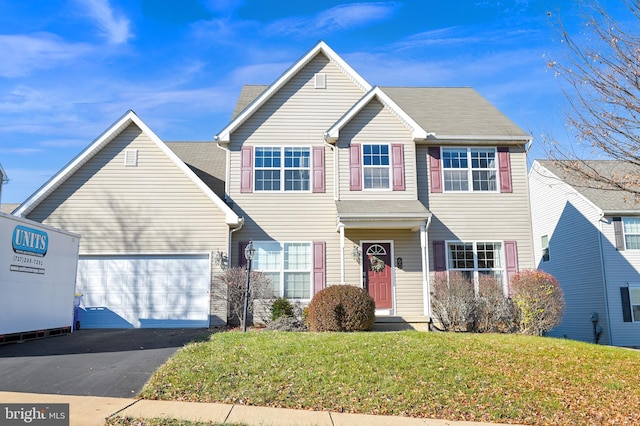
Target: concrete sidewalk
x,y
92,411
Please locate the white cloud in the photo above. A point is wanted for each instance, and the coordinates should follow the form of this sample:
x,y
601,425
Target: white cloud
x,y
115,27
339,18
21,54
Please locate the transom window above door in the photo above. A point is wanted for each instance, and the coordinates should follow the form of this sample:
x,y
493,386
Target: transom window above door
x,y
469,169
376,166
282,169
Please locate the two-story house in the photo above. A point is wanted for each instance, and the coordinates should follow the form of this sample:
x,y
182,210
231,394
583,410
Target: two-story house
x,y
587,235
341,182
335,181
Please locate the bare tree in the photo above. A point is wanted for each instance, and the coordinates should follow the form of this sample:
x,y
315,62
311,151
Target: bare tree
x,y
602,70
230,285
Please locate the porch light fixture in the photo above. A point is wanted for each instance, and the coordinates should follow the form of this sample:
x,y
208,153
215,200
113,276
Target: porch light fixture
x,y
249,252
356,254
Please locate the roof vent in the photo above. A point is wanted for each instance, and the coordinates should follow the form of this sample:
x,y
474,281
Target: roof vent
x,y
131,157
320,80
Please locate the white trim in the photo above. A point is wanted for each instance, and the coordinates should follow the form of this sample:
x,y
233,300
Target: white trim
x,y
224,135
282,169
417,132
388,167
104,139
342,263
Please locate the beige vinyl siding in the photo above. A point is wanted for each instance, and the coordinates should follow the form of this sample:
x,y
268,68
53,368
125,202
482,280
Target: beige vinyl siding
x,y
376,125
297,115
151,208
408,284
478,216
571,223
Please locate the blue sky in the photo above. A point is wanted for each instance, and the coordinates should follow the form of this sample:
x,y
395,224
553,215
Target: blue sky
x,y
70,68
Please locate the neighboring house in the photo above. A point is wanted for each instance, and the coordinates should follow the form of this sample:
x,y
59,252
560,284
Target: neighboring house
x,y
153,230
587,235
8,207
341,182
334,180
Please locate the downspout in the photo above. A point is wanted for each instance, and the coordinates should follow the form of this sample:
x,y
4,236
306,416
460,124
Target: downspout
x,y
227,175
239,227
604,278
336,168
426,285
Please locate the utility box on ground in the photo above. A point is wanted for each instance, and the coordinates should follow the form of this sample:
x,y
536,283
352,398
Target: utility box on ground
x,y
38,265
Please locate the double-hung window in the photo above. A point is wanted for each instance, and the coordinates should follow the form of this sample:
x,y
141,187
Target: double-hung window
x,y
282,169
288,265
376,166
470,169
476,258
634,298
631,226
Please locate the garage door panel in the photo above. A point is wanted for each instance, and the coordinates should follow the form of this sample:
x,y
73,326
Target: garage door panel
x,y
144,291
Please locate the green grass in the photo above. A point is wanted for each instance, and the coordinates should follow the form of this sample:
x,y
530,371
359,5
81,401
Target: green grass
x,y
482,377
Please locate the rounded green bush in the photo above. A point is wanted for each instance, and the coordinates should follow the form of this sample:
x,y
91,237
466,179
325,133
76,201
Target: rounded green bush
x,y
342,308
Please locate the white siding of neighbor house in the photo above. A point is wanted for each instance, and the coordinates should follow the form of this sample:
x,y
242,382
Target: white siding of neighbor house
x,y
297,115
374,124
572,225
621,269
150,208
481,216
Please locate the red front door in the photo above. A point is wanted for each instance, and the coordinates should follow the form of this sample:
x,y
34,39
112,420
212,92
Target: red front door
x,y
377,265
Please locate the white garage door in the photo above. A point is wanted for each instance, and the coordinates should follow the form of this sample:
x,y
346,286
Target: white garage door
x,y
144,291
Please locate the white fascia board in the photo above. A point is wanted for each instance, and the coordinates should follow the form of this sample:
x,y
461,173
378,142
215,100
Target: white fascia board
x,y
231,218
538,168
107,136
85,155
225,134
417,132
488,138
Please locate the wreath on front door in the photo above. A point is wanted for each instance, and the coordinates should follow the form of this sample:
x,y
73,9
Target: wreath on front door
x,y
377,264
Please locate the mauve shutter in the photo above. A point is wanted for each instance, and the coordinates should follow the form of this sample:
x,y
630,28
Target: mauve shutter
x,y
617,229
318,168
511,258
246,169
626,304
435,169
355,168
318,266
397,161
242,261
439,256
504,168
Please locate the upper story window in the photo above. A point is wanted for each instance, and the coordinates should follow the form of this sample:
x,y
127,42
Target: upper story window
x,y
469,169
282,169
376,166
631,226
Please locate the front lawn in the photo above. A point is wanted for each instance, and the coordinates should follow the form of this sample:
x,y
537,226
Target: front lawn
x,y
456,376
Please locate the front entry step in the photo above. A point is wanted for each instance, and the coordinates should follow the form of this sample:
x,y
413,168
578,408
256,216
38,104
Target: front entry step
x,y
398,323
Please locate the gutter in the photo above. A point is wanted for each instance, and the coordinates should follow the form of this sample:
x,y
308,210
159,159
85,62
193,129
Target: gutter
x,y
231,231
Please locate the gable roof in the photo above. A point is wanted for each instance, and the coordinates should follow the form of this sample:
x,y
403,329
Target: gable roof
x,y
455,113
98,144
417,131
609,199
206,160
320,48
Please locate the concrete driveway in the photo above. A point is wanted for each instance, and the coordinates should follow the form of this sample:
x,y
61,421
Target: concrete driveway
x,y
113,363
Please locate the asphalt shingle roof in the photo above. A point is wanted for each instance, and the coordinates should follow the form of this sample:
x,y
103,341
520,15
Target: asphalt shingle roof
x,y
206,160
606,197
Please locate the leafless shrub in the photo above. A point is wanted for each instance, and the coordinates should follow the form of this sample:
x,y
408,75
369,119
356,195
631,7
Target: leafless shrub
x,y
230,285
